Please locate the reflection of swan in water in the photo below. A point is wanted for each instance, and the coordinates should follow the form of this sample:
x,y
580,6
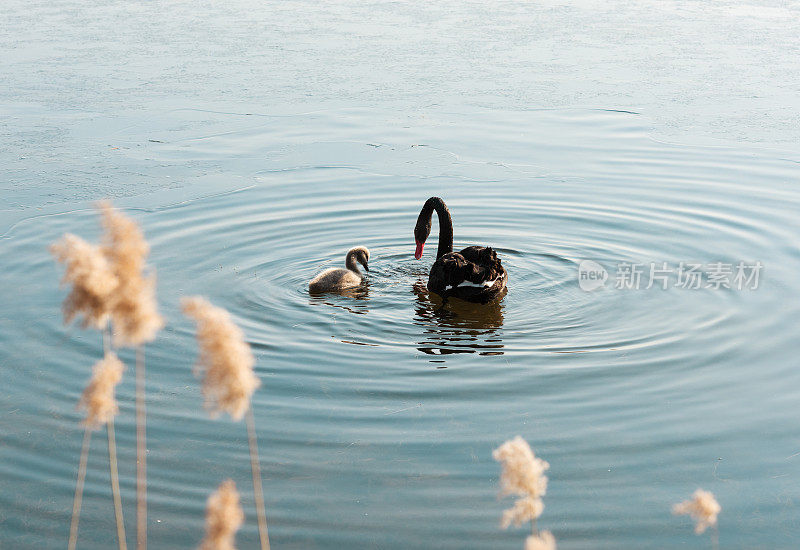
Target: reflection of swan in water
x,y
357,302
461,327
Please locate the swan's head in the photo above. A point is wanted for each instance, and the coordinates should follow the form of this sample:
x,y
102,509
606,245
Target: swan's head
x,y
423,227
421,232
361,255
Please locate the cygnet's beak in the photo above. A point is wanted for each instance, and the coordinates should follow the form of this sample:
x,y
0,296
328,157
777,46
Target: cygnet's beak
x,y
418,253
366,267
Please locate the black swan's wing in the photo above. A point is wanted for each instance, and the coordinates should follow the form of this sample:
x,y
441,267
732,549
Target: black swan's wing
x,y
450,271
475,274
486,258
474,267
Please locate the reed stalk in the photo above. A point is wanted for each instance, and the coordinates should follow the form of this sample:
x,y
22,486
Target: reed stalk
x,y
141,453
112,465
258,488
112,462
76,503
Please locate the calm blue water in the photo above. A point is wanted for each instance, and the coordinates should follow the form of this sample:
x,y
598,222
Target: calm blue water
x,y
256,144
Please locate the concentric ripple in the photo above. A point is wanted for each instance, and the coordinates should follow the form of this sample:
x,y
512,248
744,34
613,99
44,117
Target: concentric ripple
x,y
379,407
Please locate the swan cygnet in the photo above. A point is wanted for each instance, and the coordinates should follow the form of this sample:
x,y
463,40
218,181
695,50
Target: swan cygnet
x,y
336,278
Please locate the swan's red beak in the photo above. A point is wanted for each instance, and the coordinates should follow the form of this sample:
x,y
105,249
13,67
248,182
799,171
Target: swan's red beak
x,y
418,253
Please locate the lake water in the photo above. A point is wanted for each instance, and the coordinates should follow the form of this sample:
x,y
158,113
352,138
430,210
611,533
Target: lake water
x,y
256,144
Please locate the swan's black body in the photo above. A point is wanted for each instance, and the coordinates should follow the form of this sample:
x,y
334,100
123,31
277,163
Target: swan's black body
x,y
474,274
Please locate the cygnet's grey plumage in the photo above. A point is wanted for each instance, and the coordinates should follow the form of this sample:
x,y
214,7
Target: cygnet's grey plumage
x,y
335,278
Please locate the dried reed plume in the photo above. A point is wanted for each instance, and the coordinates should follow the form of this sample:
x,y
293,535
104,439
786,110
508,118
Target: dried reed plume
x,y
109,282
98,397
93,281
524,509
134,311
543,541
703,508
225,361
522,475
135,319
224,516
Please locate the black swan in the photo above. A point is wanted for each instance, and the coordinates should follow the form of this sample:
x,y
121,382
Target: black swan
x,y
475,274
335,279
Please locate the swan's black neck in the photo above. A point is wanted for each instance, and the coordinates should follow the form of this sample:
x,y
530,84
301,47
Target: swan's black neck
x,y
445,225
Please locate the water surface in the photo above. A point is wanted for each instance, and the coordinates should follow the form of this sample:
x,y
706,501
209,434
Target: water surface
x,y
379,410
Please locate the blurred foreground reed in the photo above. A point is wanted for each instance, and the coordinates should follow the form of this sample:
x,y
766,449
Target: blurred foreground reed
x,y
224,516
704,509
522,475
109,283
226,365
